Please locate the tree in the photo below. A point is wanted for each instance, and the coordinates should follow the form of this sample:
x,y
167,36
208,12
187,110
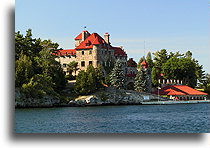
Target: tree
x,y
35,66
160,57
149,60
99,77
188,54
117,77
72,67
89,81
181,69
23,70
140,83
206,83
81,85
39,86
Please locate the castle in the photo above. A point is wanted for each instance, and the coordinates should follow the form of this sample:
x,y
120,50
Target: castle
x,y
92,49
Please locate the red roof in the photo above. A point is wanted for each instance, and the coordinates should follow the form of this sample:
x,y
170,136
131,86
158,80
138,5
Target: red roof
x,y
119,51
79,37
144,64
178,90
65,52
93,39
131,63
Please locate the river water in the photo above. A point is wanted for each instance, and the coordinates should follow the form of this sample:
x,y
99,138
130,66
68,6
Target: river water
x,y
182,118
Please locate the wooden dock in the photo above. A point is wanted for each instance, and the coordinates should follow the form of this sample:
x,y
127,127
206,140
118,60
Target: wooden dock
x,y
174,102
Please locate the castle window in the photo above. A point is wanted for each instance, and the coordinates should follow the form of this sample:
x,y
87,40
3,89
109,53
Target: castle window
x,y
90,62
90,52
83,52
64,65
83,63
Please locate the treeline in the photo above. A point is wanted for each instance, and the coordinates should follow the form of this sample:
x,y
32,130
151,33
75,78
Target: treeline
x,y
174,66
37,74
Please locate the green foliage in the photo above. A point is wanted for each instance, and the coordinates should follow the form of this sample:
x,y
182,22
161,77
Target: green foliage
x,y
176,66
72,67
107,80
160,57
140,83
149,60
188,54
117,77
204,83
89,81
23,70
36,72
39,86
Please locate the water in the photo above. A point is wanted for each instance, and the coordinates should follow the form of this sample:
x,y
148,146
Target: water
x,y
182,118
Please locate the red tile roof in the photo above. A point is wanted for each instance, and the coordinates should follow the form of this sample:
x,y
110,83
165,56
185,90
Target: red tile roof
x,y
79,37
144,64
93,39
65,52
119,51
131,63
178,90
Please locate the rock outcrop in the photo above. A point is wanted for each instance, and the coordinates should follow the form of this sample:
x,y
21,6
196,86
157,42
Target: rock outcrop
x,y
45,101
110,96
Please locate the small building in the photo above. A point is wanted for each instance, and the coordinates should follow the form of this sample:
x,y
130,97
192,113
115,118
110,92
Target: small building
x,y
181,92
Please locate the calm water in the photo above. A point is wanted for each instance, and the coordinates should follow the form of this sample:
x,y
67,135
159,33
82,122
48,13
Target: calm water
x,y
182,118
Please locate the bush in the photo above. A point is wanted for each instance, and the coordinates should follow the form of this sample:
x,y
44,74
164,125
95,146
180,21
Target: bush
x,y
38,87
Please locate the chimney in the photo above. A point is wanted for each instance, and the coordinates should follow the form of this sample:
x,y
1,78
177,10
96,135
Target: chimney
x,y
106,37
84,35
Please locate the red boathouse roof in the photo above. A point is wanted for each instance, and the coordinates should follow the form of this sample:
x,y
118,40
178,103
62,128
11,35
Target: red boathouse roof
x,y
177,90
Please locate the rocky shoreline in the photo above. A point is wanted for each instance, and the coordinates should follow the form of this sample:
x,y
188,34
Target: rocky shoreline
x,y
108,96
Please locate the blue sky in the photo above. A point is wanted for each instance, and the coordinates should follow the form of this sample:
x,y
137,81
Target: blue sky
x,y
176,25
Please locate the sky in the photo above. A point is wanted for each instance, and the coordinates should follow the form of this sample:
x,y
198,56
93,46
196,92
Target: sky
x,y
175,25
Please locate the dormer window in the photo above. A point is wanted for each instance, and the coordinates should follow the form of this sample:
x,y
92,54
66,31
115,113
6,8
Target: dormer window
x,y
87,44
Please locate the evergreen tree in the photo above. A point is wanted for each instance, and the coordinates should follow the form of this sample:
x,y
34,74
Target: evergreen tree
x,y
81,85
117,77
23,70
140,83
35,66
89,81
149,60
99,77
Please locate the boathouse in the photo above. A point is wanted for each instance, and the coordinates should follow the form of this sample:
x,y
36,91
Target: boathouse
x,y
181,92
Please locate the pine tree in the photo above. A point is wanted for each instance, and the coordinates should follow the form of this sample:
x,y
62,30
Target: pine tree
x,y
117,77
140,83
149,60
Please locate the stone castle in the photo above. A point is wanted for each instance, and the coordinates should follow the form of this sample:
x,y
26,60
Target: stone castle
x,y
92,49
